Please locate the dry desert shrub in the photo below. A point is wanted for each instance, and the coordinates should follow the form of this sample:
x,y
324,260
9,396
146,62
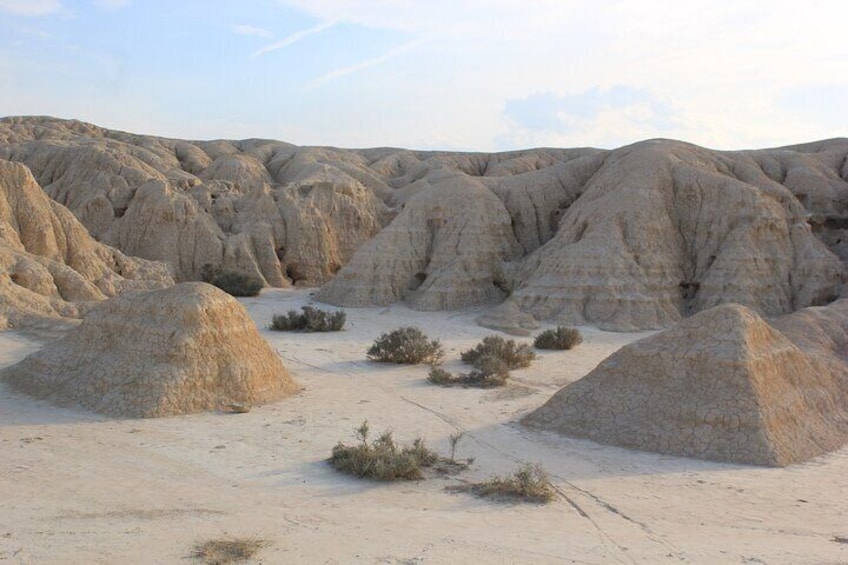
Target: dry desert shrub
x,y
227,550
559,338
439,376
385,460
514,355
407,345
382,459
488,372
529,483
233,283
310,319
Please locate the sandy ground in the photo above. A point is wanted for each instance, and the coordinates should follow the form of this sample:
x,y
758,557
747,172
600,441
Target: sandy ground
x,y
80,488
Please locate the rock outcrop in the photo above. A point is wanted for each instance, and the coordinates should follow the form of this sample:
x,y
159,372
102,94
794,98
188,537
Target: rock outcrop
x,y
262,207
634,238
178,350
665,229
50,268
444,251
722,385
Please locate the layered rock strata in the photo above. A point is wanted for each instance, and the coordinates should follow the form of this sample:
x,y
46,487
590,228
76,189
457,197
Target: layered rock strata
x,y
633,238
723,385
178,350
50,268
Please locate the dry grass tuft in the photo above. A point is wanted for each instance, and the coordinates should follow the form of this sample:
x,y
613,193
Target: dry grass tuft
x,y
384,460
529,483
489,372
227,550
310,319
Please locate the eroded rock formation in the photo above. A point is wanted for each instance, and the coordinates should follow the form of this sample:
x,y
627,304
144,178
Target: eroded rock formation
x,y
444,251
263,207
50,268
722,385
633,238
178,350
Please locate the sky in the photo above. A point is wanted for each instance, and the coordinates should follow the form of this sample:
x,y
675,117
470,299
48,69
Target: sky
x,y
477,75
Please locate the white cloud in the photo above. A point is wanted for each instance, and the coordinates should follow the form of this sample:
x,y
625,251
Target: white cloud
x,y
723,74
245,29
294,38
362,65
30,7
721,69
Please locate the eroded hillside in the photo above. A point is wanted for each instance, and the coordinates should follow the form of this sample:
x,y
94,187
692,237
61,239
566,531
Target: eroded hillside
x,y
637,237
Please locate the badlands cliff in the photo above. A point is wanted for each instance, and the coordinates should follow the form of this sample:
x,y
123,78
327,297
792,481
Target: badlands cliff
x,y
634,238
50,267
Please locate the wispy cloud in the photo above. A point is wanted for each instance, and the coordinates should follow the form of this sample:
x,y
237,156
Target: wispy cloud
x,y
245,29
548,112
30,7
471,20
365,64
294,38
112,4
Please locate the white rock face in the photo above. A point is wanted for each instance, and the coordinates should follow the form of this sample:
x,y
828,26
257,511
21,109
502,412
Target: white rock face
x,y
722,385
634,238
444,251
50,268
664,230
178,350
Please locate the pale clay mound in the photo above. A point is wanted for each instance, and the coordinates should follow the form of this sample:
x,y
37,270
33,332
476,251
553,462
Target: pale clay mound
x,y
50,268
634,238
179,350
722,385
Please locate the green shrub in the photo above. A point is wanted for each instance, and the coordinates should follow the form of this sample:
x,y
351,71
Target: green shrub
x,y
515,356
233,283
529,483
383,459
439,376
490,372
559,338
406,345
290,322
318,320
311,319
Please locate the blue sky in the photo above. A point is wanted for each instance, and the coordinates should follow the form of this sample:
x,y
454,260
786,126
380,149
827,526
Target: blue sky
x,y
435,74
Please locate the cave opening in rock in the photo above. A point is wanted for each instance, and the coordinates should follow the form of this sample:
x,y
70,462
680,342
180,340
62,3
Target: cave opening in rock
x,y
294,274
688,292
417,281
502,285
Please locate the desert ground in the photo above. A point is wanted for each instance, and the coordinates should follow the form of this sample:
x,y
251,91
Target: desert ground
x,y
76,487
